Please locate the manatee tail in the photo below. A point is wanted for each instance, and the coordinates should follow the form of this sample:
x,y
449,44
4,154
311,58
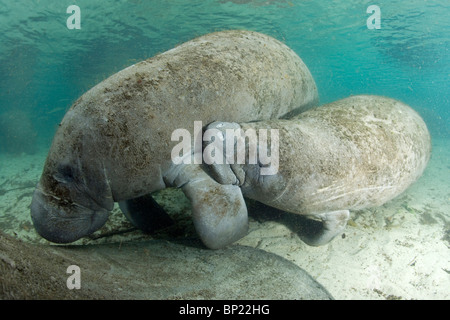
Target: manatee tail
x,y
333,224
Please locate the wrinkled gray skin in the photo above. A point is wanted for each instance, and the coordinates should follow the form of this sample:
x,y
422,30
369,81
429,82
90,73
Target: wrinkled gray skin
x,y
355,153
114,144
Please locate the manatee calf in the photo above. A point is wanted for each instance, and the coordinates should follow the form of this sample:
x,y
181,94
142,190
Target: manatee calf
x,y
114,144
354,153
156,269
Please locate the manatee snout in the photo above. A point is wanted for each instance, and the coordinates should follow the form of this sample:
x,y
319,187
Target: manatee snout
x,y
62,222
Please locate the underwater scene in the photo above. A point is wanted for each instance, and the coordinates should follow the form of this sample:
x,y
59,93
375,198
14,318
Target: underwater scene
x,y
359,91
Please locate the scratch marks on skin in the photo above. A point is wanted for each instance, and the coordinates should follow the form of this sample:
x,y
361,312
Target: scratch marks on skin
x,y
330,187
335,189
287,187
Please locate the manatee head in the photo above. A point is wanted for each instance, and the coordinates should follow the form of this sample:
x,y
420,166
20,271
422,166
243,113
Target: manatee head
x,y
73,197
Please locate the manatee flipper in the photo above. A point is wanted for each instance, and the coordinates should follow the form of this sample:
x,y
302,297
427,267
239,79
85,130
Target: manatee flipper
x,y
218,166
145,213
219,211
333,222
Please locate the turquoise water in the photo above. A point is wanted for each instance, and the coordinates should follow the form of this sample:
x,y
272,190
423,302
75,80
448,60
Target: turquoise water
x,y
45,66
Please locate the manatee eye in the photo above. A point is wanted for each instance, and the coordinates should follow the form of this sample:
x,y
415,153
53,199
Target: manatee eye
x,y
64,174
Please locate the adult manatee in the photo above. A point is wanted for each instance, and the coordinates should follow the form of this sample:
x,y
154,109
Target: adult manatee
x,y
114,144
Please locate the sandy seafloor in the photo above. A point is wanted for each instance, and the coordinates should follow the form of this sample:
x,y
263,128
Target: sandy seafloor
x,y
398,251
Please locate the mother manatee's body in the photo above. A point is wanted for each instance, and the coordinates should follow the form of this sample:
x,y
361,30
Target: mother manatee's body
x,y
115,143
